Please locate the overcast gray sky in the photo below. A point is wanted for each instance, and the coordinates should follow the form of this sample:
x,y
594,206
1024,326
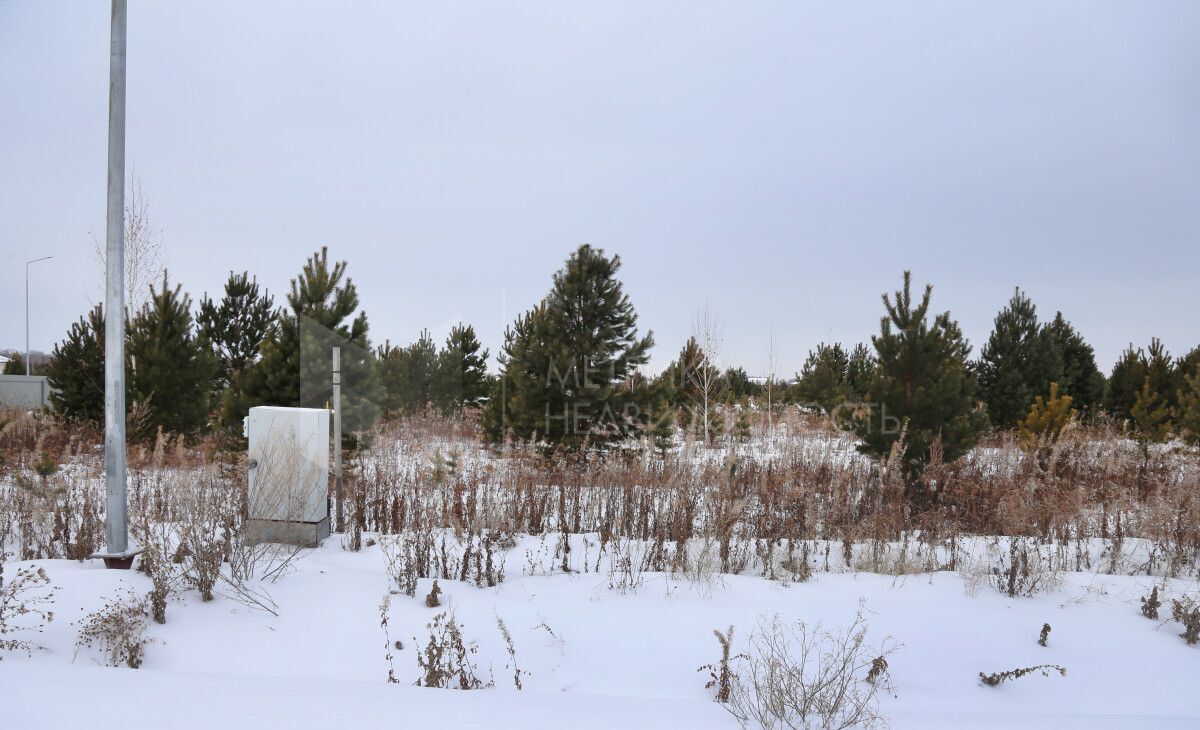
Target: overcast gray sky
x,y
781,161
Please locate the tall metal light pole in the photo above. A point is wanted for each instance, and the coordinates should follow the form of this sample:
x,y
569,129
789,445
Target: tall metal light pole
x,y
117,554
27,263
337,436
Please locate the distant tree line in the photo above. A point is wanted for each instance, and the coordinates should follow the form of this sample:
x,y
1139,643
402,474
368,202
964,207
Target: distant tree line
x,y
189,369
572,370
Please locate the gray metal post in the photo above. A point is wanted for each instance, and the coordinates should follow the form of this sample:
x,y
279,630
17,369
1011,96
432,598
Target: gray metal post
x,y
27,263
116,527
337,436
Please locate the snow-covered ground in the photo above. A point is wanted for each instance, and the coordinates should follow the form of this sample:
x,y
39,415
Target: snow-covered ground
x,y
596,657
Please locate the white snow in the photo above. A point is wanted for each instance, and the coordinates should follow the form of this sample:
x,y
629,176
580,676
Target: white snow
x,y
626,660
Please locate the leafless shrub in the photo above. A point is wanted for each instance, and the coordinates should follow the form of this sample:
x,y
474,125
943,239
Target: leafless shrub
x,y
512,653
1025,571
721,675
995,680
1151,604
1187,612
447,661
804,676
118,630
432,600
384,607
25,607
1044,636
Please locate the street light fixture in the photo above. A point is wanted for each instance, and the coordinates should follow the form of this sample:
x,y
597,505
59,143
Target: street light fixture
x,y
27,263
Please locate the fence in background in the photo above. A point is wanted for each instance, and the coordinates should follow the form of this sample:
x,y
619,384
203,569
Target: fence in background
x,y
24,391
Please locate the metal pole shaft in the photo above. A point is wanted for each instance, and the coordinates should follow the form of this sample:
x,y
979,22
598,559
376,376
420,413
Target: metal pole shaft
x,y
27,371
116,519
337,436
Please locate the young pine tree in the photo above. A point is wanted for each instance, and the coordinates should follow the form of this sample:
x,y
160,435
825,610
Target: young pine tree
x,y
235,329
76,370
170,369
1151,417
567,363
921,385
1081,379
694,385
1017,363
823,380
1047,418
296,364
1125,383
462,379
858,371
1188,418
408,375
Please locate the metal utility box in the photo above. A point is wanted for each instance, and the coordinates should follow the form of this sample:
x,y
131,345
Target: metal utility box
x,y
289,475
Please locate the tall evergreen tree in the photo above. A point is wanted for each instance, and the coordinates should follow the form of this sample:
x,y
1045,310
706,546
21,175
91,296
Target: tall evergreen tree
x,y
1125,383
567,363
296,365
76,371
921,386
1018,362
170,369
462,379
1080,377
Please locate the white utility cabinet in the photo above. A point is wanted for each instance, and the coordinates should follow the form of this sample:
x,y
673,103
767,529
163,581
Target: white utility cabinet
x,y
289,452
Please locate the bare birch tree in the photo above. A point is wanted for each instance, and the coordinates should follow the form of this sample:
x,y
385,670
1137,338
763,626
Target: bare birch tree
x,y
706,376
772,357
144,262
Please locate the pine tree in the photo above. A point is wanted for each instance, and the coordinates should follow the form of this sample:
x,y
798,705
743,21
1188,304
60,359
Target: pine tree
x,y
76,371
170,369
296,364
858,371
695,386
663,430
1188,412
741,426
1047,418
236,326
1017,363
1125,383
1081,379
739,385
408,375
235,329
921,386
462,379
1151,417
823,379
567,362
1161,372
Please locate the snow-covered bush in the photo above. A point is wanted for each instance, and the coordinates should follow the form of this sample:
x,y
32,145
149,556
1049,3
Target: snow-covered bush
x,y
1187,612
118,630
25,607
447,661
805,676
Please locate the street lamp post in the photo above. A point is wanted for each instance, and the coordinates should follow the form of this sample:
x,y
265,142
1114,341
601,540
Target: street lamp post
x,y
28,370
118,553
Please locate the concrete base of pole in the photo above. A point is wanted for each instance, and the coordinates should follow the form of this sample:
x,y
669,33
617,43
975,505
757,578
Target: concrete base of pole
x,y
118,561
